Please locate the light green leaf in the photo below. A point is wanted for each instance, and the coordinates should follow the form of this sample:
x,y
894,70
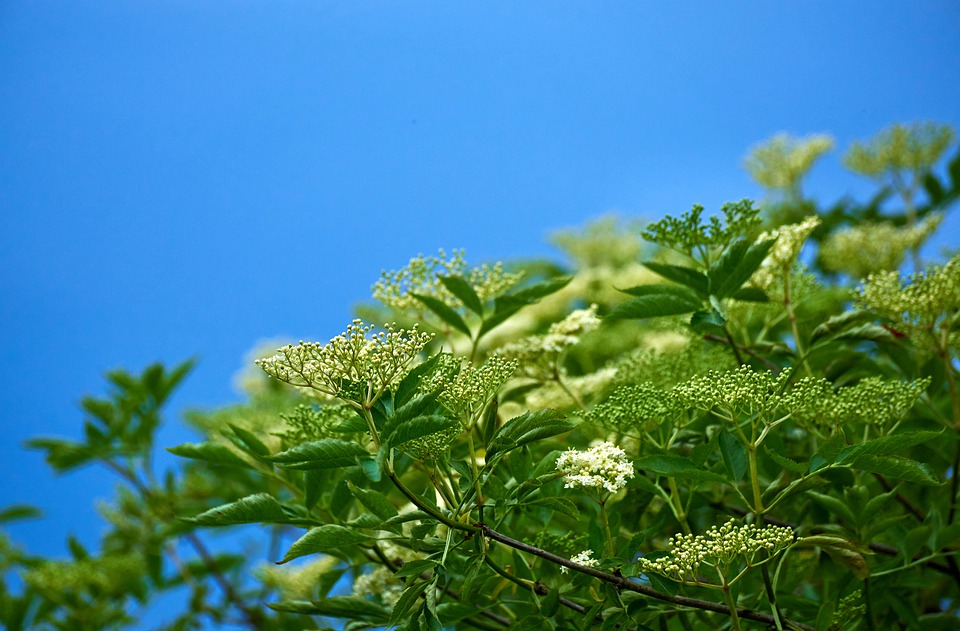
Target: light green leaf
x,y
328,453
327,538
214,453
445,313
528,428
376,503
459,287
253,509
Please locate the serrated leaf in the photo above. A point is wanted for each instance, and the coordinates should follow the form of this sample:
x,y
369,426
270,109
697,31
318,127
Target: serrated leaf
x,y
784,462
352,607
445,313
410,384
527,428
677,467
657,305
214,453
407,599
249,439
507,305
898,468
836,506
327,453
327,538
376,503
459,287
684,275
556,504
707,321
415,568
736,265
734,455
418,427
887,445
253,509
829,451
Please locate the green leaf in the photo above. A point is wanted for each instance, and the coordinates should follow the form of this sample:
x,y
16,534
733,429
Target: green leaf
x,y
376,503
445,313
352,607
327,538
556,504
678,302
253,444
707,321
836,506
407,599
750,294
829,451
528,428
459,287
507,305
684,275
734,455
253,509
898,468
410,384
423,405
415,568
841,550
18,512
677,467
887,445
214,453
736,265
328,453
784,462
418,427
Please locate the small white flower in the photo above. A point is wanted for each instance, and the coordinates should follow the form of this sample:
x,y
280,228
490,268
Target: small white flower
x,y
602,466
584,558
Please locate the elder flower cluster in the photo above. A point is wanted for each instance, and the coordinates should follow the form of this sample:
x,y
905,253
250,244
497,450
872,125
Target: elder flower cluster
x,y
722,548
634,407
781,162
381,583
422,275
356,363
584,558
466,388
783,254
925,304
604,466
873,247
688,233
873,401
537,355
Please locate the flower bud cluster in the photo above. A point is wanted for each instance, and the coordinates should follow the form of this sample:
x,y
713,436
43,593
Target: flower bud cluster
x,y
603,466
874,247
688,233
923,303
381,583
637,406
873,401
900,147
782,161
107,576
422,274
721,548
537,355
466,389
356,357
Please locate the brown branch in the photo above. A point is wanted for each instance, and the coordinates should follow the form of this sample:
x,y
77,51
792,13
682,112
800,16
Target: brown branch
x,y
623,583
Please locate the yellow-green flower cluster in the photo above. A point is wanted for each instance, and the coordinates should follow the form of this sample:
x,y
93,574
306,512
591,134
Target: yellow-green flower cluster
x,y
721,549
422,274
781,162
468,392
874,401
356,362
924,304
603,466
783,254
601,243
688,233
914,147
537,355
874,247
747,392
636,407
296,582
379,583
584,558
106,576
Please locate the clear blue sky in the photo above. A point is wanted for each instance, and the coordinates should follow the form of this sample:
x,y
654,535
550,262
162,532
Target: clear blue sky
x,y
186,178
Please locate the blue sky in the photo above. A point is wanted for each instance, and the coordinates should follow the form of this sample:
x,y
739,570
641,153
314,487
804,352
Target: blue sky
x,y
184,179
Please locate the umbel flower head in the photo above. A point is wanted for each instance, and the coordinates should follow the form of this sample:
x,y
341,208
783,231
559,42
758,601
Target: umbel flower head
x,y
783,254
690,557
422,276
782,161
537,355
357,364
874,247
603,466
466,389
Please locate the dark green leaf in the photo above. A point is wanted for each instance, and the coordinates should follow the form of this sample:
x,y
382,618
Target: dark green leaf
x,y
898,468
734,455
527,428
829,451
459,287
415,568
750,294
736,265
684,275
657,305
214,453
835,505
887,445
556,504
376,503
445,313
328,453
677,467
18,512
784,462
254,509
252,443
418,427
707,321
410,384
328,538
407,599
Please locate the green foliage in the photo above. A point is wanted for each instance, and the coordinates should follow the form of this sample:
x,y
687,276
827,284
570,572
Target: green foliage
x,y
712,438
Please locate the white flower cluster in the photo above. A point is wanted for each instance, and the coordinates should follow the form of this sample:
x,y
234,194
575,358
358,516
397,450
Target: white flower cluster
x,y
602,466
719,548
353,358
537,354
873,247
380,582
783,254
584,558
